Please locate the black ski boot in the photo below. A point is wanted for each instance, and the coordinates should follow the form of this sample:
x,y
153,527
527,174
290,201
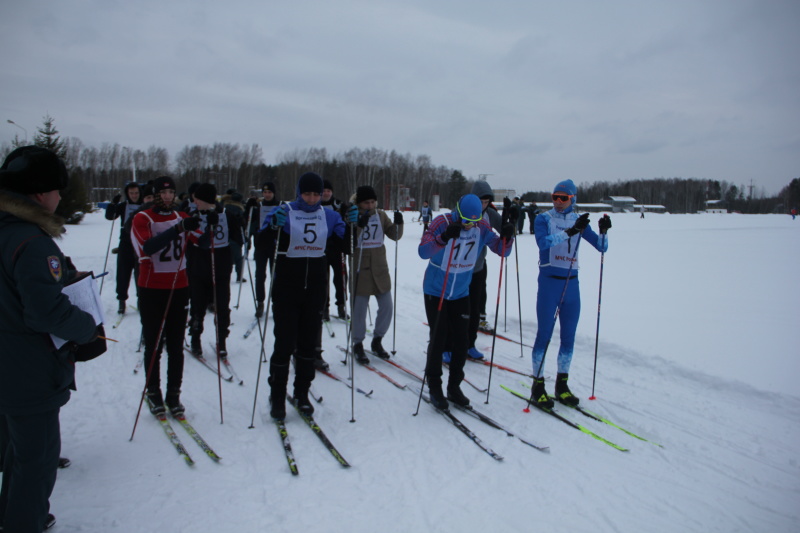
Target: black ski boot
x,y
377,348
223,348
277,394
342,312
260,309
437,396
197,346
320,363
156,402
63,462
358,352
173,401
540,397
302,402
326,315
49,522
455,395
121,310
563,394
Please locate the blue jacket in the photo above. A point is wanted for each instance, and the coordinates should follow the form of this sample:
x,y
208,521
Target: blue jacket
x,y
432,247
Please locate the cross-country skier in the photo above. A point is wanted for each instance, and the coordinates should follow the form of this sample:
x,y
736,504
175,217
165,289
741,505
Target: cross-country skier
x,y
371,271
458,236
159,238
305,229
264,240
558,232
425,214
334,259
126,257
220,229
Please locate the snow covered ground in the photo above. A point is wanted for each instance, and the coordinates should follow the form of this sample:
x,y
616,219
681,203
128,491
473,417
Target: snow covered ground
x,y
698,352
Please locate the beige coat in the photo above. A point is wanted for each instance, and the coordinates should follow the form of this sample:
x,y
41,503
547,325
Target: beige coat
x,y
373,277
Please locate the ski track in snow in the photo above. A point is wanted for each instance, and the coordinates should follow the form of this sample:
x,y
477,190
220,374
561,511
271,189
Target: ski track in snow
x,y
729,461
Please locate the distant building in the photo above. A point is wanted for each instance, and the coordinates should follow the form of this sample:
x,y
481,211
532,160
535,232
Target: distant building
x,y
716,206
627,204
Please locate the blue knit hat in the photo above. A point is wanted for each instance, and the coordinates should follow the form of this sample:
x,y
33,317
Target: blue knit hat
x,y
566,187
469,208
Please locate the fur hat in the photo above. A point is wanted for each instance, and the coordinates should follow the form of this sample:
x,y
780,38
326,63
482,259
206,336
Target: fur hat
x,y
365,192
206,192
32,169
309,182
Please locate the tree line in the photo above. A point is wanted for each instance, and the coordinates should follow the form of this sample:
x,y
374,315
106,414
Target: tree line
x,y
97,174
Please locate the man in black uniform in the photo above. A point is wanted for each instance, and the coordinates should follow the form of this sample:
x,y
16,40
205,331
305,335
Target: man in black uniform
x,y
264,240
35,376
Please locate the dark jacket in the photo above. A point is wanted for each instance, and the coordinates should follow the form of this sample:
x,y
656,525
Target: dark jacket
x,y
34,377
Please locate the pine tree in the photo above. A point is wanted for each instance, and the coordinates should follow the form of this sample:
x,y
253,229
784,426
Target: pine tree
x,y
74,199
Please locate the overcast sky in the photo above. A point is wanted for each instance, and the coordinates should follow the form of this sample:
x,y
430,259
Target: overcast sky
x,y
529,92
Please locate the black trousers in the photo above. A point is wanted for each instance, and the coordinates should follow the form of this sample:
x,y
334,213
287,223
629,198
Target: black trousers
x,y
448,328
152,305
127,264
264,257
477,302
201,289
335,263
29,470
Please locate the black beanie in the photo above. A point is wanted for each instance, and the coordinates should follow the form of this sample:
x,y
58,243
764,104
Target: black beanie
x,y
32,169
163,182
206,192
268,186
326,184
365,192
193,187
309,182
148,190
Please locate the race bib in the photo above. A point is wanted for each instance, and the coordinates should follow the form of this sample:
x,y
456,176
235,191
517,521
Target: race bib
x,y
563,254
372,234
309,233
465,251
169,259
220,232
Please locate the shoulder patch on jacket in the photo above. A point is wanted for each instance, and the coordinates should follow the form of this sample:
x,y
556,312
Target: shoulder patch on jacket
x,y
54,264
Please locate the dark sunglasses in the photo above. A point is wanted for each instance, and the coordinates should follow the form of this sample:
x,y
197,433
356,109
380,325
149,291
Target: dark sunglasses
x,y
562,197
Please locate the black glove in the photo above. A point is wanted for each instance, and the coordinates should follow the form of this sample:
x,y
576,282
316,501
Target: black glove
x,y
507,231
604,224
188,224
363,220
212,218
580,225
116,199
452,231
506,216
398,218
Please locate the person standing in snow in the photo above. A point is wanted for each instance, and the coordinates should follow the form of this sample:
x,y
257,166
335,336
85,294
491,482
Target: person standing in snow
x,y
334,259
305,230
263,239
159,238
458,237
558,233
425,213
372,271
35,376
126,258
222,229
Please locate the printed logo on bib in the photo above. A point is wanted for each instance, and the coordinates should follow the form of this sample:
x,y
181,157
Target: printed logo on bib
x,y
465,251
309,233
372,234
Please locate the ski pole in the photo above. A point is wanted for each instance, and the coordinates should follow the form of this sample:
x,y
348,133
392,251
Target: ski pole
x,y
435,329
519,300
246,237
108,249
597,331
263,331
496,309
505,304
160,333
394,304
555,318
216,313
